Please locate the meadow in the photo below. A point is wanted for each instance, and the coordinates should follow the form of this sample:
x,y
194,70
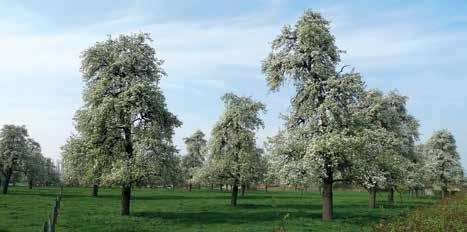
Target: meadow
x,y
200,210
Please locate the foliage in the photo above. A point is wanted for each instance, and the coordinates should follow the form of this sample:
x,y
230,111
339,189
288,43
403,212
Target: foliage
x,y
386,140
124,117
444,161
81,167
13,148
197,147
233,152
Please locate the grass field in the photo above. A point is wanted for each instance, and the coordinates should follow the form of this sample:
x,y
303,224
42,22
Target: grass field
x,y
200,210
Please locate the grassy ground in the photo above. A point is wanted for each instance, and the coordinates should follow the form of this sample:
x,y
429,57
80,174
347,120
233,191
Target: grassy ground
x,y
449,214
200,210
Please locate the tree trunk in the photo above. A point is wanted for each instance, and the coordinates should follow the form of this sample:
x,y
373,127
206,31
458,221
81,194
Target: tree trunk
x,y
266,188
444,190
125,201
30,184
243,190
190,186
327,212
6,182
233,201
372,198
212,186
391,195
220,187
95,190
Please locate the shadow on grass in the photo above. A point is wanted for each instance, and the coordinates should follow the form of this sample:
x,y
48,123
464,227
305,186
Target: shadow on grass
x,y
220,217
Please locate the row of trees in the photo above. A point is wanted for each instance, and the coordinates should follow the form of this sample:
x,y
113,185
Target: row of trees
x,y
335,130
21,160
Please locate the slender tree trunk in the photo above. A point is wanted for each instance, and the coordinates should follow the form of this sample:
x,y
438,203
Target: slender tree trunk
x,y
30,184
190,186
372,198
212,186
233,201
391,195
266,188
243,190
95,190
327,212
444,190
125,201
6,182
220,187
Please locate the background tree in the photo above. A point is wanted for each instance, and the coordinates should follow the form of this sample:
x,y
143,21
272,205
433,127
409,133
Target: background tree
x,y
268,171
52,175
34,167
233,143
444,161
13,152
196,146
320,115
405,128
124,111
81,165
385,140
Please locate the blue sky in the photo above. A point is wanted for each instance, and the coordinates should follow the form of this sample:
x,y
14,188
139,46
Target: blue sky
x,y
213,47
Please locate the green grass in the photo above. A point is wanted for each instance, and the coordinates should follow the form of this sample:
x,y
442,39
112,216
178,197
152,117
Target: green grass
x,y
449,214
200,210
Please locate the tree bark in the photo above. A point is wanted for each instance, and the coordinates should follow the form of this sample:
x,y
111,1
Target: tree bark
x,y
125,201
220,187
6,182
190,186
266,188
327,211
30,184
95,190
372,198
233,201
391,195
243,190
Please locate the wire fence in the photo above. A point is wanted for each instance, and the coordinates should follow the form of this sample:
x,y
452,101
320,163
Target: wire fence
x,y
51,222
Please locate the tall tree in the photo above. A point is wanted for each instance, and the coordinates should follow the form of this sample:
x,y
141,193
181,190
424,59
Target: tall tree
x,y
124,111
13,152
444,161
321,110
196,146
233,143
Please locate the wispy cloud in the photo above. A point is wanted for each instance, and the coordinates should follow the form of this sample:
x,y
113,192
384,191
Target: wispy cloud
x,y
206,57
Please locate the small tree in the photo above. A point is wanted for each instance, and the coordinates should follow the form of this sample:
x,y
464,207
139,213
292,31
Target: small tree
x,y
384,141
124,112
194,159
233,144
13,152
81,163
444,161
34,167
268,172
